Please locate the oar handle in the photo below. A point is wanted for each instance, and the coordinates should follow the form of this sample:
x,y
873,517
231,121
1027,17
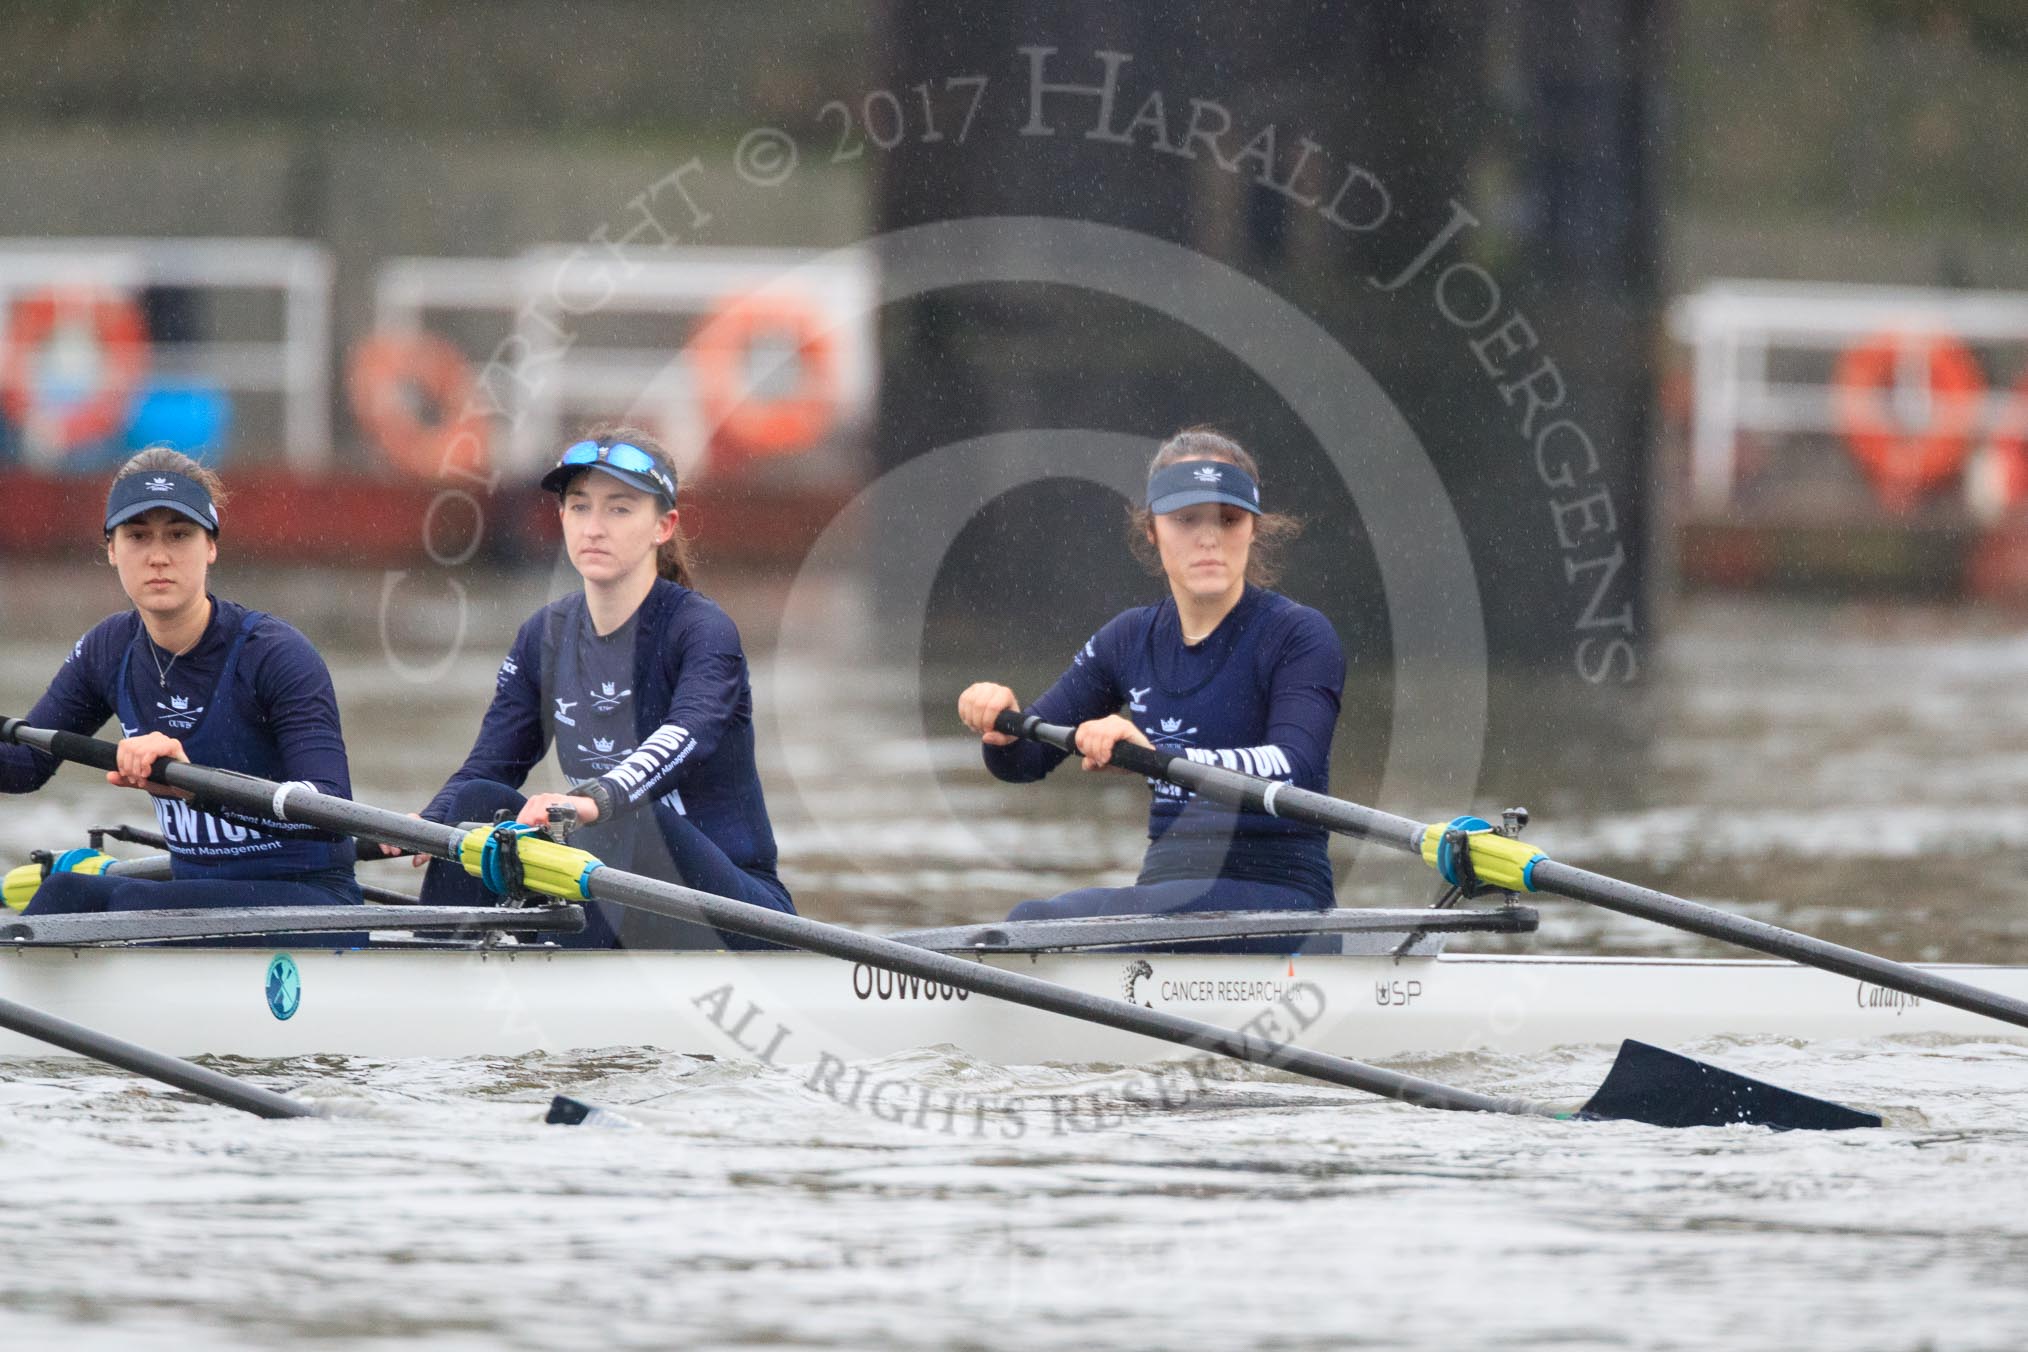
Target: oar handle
x,y
70,746
250,794
1126,755
1234,787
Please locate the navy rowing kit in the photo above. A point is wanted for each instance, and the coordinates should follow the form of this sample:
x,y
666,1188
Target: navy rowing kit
x,y
654,722
252,695
1259,694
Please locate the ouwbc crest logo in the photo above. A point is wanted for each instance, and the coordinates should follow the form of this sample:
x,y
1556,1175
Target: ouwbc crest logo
x,y
1207,474
178,714
160,485
1170,735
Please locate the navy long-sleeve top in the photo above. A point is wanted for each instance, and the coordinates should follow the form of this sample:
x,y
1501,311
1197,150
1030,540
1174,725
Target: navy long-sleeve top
x,y
1260,694
660,711
251,695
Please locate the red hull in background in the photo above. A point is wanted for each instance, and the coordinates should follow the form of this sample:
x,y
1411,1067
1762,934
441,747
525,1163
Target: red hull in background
x,y
365,522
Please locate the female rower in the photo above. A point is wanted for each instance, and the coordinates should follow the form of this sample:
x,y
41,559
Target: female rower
x,y
642,685
1223,670
195,678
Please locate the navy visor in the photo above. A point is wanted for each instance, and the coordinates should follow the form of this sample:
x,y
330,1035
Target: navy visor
x,y
138,493
1190,482
623,460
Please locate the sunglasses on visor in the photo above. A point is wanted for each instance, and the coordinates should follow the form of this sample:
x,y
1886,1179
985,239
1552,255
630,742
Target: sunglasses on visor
x,y
620,455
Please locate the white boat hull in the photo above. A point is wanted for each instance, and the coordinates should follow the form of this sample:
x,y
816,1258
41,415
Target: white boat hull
x,y
798,1009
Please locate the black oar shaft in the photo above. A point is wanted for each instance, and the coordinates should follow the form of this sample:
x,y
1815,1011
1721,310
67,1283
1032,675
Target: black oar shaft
x,y
1230,786
1610,894
140,835
682,903
156,867
300,804
1563,880
170,1070
247,793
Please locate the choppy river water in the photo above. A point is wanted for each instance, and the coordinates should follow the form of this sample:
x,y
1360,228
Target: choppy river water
x,y
1856,771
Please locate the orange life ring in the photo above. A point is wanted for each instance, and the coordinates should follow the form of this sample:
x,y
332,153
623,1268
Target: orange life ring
x,y
412,393
1904,462
119,333
723,353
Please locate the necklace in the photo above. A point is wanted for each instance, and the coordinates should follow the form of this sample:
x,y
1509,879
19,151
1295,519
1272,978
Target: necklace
x,y
162,672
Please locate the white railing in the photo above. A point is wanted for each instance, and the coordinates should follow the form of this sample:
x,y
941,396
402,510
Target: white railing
x,y
572,353
294,364
1739,331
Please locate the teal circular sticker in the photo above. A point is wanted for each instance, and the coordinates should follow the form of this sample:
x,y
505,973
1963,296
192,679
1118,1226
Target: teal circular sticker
x,y
285,986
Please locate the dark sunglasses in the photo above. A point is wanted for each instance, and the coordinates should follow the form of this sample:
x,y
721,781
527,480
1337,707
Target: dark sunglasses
x,y
620,455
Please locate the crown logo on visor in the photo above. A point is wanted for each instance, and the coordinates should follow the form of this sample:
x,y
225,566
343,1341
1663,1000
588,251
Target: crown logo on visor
x,y
1207,475
159,485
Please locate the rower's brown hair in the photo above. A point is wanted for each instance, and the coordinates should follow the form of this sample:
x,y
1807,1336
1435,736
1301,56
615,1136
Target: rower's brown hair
x,y
677,559
165,459
1272,531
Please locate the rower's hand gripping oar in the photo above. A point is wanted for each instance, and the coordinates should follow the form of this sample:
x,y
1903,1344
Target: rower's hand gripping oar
x,y
1511,865
502,858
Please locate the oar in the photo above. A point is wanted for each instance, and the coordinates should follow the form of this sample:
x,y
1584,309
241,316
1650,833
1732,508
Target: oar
x,y
170,1070
558,870
19,884
1516,867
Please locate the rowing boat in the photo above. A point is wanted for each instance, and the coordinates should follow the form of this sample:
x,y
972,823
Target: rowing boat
x,y
503,997
1287,1007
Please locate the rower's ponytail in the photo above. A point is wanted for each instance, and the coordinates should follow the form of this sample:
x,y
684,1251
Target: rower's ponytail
x,y
676,560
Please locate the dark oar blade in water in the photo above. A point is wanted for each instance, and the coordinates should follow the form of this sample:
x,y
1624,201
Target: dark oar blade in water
x,y
1666,1089
1647,1084
565,1111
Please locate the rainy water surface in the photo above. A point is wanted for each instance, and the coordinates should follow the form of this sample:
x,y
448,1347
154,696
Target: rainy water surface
x,y
1856,771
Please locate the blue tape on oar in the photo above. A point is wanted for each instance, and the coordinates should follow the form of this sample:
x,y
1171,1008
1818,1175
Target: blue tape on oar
x,y
1666,1089
497,873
